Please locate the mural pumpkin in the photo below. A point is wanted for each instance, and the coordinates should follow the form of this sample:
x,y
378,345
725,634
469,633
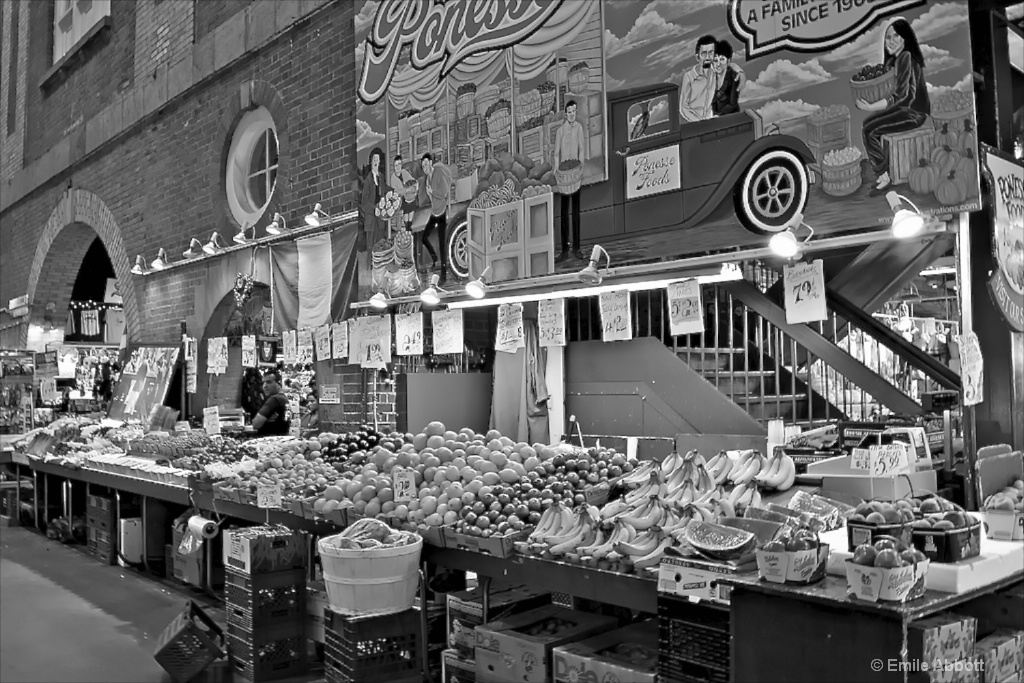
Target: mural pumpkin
x,y
772,108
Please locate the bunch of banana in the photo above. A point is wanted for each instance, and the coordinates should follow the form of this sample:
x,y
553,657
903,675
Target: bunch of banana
x,y
719,467
744,496
595,552
649,514
556,520
779,473
702,512
653,487
684,495
583,533
746,469
670,464
640,474
646,550
614,509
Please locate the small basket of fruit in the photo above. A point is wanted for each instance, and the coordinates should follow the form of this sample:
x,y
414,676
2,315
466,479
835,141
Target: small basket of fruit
x,y
954,109
880,518
579,78
947,536
797,557
841,171
873,83
465,100
887,570
1003,513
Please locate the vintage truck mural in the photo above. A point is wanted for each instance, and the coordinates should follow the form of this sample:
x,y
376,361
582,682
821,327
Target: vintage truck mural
x,y
708,123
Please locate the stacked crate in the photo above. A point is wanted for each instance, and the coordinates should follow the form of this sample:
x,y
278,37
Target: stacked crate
x,y
101,523
369,649
265,600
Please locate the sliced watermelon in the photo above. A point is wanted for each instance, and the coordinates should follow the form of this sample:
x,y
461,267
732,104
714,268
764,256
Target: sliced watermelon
x,y
763,530
720,542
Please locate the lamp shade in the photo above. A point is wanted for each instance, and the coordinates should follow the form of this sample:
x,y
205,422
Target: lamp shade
x,y
784,244
430,295
379,301
195,249
907,224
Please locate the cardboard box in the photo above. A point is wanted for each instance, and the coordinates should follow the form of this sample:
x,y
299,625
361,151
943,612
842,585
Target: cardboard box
x,y
253,552
800,567
837,475
626,655
942,638
995,473
465,611
316,602
1002,656
698,579
874,584
960,671
455,668
949,545
518,648
498,546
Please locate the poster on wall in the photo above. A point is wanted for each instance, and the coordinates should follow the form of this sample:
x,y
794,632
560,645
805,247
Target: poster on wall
x,y
304,346
1005,178
139,391
728,118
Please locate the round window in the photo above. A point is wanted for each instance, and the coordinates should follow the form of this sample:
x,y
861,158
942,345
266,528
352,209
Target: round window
x,y
251,172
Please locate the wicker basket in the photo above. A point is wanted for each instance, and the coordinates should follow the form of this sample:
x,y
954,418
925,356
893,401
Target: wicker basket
x,y
441,112
955,118
547,100
569,179
498,124
876,89
839,181
485,98
465,104
579,81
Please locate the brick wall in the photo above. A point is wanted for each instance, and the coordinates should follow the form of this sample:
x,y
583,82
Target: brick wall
x,y
163,34
93,78
212,13
12,140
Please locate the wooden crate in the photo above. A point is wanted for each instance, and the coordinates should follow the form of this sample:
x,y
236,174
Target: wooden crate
x,y
906,151
462,132
832,130
438,137
496,238
539,229
820,149
405,148
476,127
422,144
499,146
478,150
531,143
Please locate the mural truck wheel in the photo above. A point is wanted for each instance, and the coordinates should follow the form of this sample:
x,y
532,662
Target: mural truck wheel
x,y
772,191
458,248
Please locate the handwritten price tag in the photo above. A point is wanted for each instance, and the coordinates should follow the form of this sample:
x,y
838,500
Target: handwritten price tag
x,y
339,340
409,334
403,481
248,351
972,371
551,322
510,328
304,346
371,341
860,459
322,342
447,331
268,496
616,318
686,314
889,460
289,342
805,292
211,420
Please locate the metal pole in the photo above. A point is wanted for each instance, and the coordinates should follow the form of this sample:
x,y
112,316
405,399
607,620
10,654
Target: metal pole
x,y
965,290
184,373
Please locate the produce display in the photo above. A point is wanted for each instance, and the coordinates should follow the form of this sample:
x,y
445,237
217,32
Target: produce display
x,y
523,171
370,533
1009,499
886,552
842,157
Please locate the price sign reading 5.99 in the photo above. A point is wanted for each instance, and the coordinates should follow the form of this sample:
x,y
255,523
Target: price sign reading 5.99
x,y
409,334
616,316
686,315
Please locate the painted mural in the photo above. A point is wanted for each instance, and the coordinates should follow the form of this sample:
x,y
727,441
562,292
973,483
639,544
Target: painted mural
x,y
728,119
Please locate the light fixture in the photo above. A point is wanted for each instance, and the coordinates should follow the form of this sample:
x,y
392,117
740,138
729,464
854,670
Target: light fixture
x,y
432,294
242,237
478,288
214,245
785,243
313,219
140,266
195,249
277,226
590,275
161,260
905,223
380,300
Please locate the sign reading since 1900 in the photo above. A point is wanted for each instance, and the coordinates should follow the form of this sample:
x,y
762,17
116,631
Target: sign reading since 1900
x,y
652,172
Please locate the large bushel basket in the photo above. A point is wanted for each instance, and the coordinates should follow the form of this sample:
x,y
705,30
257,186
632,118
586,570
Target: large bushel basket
x,y
370,581
569,176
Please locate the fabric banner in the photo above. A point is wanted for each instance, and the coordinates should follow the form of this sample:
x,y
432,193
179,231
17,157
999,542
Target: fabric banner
x,y
314,279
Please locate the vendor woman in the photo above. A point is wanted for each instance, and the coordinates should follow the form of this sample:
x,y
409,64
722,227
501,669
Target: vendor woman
x,y
273,418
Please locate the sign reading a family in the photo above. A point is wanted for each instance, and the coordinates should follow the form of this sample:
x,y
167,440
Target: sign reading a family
x,y
641,119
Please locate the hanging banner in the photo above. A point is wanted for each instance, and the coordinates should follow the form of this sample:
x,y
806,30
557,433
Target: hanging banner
x,y
322,342
616,316
972,369
409,334
447,329
216,355
370,341
1006,179
289,341
191,364
685,311
551,322
805,292
304,346
339,340
509,336
248,351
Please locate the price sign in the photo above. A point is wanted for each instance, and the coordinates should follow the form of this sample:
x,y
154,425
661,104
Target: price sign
x,y
805,292
268,496
304,346
248,351
616,318
889,460
322,342
972,369
510,328
685,312
191,364
403,481
48,391
330,394
551,322
339,340
409,334
371,341
288,341
211,420
294,420
860,459
447,331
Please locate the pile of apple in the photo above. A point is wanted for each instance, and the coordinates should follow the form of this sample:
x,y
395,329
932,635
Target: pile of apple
x,y
886,552
1009,499
879,512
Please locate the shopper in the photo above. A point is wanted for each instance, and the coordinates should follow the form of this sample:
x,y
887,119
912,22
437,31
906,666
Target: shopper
x,y
273,418
438,179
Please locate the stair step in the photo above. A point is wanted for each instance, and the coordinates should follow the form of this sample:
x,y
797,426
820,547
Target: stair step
x,y
698,351
734,384
739,373
712,360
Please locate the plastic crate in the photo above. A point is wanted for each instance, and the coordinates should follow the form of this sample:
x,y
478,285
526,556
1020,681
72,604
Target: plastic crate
x,y
100,503
366,649
268,654
696,636
189,644
265,600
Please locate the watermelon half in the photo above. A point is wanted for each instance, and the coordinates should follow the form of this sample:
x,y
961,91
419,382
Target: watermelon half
x,y
720,542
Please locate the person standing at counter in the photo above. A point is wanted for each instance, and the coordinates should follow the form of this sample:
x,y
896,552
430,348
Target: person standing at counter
x,y
273,418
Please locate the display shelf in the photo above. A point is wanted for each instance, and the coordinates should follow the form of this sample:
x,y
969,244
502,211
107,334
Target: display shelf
x,y
251,513
140,487
622,590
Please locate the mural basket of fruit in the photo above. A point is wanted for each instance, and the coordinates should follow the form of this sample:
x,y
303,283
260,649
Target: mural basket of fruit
x,y
955,108
499,119
569,175
465,100
841,171
485,98
873,83
579,78
547,91
528,106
